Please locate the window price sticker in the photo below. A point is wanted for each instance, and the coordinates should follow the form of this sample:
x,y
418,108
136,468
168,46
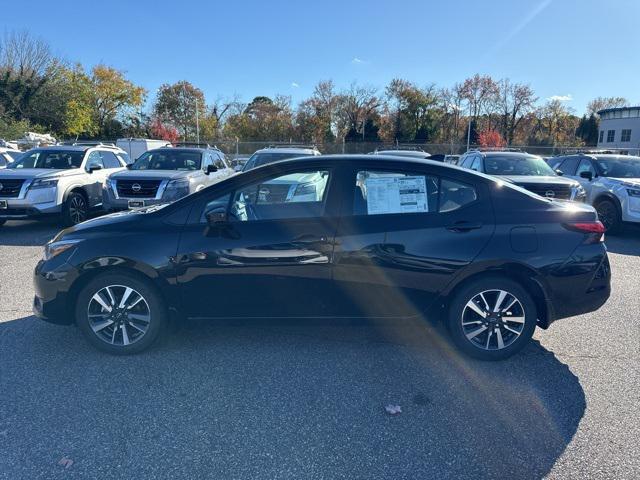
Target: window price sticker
x,y
396,195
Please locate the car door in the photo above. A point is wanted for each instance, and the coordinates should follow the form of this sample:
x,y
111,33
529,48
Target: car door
x,y
223,169
586,165
270,253
405,236
95,178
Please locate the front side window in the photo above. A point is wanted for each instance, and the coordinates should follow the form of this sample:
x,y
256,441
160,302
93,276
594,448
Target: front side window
x,y
94,160
168,160
50,159
218,162
110,160
295,195
477,164
626,135
585,166
611,135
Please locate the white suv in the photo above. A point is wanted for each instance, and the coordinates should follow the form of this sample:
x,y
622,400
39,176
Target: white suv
x,y
8,156
611,182
60,180
276,153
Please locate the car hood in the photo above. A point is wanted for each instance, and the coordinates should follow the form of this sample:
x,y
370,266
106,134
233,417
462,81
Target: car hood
x,y
153,174
628,181
542,180
31,173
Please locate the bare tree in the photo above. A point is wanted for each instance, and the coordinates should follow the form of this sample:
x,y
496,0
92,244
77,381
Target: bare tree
x,y
481,93
600,103
24,54
514,101
354,107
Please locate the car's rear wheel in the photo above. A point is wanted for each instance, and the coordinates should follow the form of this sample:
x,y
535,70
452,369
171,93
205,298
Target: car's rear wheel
x,y
609,215
492,318
75,209
120,314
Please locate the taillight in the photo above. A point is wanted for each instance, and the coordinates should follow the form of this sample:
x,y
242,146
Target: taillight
x,y
595,230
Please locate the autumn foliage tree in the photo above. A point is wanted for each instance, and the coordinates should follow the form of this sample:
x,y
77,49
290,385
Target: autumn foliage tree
x,y
490,139
163,132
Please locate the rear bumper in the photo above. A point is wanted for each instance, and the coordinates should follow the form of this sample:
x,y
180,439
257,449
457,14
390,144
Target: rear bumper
x,y
581,285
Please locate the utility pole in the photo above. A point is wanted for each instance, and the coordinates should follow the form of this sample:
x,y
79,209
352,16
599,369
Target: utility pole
x,y
197,122
469,130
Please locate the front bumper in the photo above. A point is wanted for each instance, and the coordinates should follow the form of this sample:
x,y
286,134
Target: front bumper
x,y
111,202
36,203
52,284
630,209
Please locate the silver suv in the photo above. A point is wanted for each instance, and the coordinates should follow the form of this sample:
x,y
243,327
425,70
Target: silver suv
x,y
60,180
612,183
275,153
164,175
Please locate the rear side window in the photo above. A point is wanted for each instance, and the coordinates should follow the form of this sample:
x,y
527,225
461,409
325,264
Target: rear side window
x,y
385,192
477,164
568,167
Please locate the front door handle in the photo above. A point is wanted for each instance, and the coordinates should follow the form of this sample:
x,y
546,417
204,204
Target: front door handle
x,y
463,226
308,239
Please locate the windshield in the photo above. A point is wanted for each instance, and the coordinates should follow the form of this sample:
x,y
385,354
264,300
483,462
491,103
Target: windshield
x,y
259,159
619,167
512,165
51,159
168,160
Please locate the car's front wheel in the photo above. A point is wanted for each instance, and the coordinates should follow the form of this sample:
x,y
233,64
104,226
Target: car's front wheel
x,y
120,314
492,318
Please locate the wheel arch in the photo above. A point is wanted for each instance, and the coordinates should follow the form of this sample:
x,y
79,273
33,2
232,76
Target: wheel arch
x,y
73,189
142,273
525,276
608,196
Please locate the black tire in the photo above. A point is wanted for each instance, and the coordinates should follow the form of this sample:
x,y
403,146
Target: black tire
x,y
111,338
75,209
496,324
609,215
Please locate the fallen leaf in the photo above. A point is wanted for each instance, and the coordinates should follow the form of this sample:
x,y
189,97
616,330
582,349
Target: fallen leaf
x,y
393,409
65,462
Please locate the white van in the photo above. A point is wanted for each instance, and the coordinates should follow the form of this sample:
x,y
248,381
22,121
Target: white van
x,y
137,146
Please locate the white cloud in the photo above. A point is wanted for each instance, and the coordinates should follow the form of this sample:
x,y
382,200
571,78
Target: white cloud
x,y
562,98
357,60
294,85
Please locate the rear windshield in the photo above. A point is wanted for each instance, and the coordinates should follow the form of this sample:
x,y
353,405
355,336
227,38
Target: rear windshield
x,y
619,167
168,160
259,159
50,159
512,165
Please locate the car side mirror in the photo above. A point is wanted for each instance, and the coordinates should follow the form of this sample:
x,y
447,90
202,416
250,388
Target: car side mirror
x,y
217,218
210,169
93,168
559,172
587,175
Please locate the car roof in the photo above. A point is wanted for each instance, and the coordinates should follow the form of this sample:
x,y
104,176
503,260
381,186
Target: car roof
x,y
287,150
67,148
507,154
181,149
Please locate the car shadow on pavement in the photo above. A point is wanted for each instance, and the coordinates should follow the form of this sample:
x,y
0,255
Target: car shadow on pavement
x,y
280,399
626,242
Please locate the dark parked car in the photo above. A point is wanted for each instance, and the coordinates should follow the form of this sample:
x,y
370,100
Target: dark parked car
x,y
525,170
333,236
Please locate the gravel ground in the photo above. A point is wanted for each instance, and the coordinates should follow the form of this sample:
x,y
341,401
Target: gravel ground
x,y
306,399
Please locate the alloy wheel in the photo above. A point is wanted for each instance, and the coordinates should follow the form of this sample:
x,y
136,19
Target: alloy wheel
x,y
118,315
78,209
607,214
493,319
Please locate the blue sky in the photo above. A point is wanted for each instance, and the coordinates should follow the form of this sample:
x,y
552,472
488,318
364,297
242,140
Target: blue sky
x,y
577,49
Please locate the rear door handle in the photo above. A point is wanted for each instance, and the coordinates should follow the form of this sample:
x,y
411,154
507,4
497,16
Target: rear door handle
x,y
464,226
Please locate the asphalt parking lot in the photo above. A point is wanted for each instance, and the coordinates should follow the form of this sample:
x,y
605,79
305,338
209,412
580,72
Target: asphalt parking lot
x,y
306,399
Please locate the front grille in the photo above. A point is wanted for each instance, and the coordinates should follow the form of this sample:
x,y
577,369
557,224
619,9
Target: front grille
x,y
562,192
10,188
137,188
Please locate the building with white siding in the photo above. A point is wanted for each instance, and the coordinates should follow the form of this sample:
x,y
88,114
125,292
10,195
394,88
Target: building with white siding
x,y
620,129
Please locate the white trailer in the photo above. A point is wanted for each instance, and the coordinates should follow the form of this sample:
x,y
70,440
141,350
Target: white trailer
x,y
137,146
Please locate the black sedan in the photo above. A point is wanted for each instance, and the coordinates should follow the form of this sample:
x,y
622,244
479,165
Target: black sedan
x,y
333,236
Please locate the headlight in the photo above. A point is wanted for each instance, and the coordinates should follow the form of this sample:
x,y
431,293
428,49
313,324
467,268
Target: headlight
x,y
633,192
579,193
53,249
176,189
306,189
43,183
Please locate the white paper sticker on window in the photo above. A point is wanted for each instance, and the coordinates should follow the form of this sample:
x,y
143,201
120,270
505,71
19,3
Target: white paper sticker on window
x,y
396,195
